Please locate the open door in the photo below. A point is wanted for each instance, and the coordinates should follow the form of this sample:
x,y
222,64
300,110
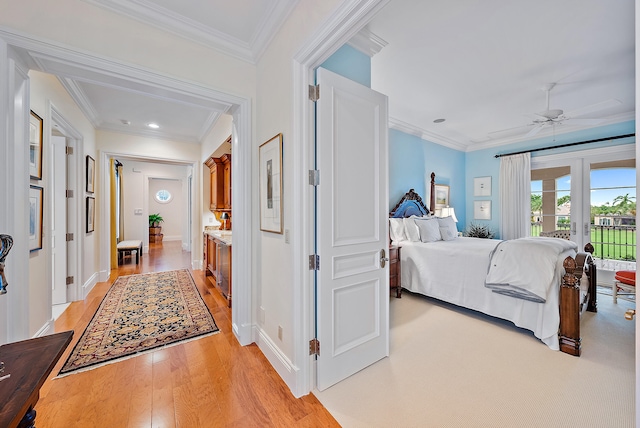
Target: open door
x,y
59,222
351,228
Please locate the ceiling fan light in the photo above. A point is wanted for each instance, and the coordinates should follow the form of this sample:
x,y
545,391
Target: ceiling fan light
x,y
551,114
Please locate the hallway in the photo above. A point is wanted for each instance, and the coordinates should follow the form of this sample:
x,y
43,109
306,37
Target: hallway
x,y
209,382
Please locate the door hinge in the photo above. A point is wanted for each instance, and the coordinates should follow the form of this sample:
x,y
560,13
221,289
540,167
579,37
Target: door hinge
x,y
69,193
314,262
68,150
69,237
314,92
314,177
69,280
314,347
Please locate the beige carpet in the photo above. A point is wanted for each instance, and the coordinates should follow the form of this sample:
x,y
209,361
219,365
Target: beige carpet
x,y
451,367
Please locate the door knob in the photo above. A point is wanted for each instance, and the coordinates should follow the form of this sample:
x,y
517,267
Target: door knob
x,y
383,258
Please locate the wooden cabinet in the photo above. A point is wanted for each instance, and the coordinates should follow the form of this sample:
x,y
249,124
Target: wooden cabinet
x,y
217,261
394,270
220,180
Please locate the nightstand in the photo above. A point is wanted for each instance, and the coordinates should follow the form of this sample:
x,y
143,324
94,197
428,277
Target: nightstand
x,y
394,270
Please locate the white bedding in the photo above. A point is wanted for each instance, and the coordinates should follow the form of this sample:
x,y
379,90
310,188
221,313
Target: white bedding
x,y
454,271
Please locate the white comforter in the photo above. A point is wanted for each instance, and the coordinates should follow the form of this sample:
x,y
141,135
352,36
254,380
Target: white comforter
x,y
524,268
455,271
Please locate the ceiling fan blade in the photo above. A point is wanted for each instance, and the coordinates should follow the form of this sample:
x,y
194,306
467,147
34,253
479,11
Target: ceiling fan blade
x,y
593,108
509,131
534,131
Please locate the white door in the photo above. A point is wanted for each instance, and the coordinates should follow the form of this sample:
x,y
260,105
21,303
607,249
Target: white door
x,y
352,227
59,221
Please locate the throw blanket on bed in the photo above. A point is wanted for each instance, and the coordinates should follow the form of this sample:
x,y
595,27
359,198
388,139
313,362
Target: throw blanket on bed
x,y
524,268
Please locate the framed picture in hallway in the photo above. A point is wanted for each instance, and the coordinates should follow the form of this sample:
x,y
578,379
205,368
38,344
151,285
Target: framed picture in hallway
x,y
91,173
271,185
35,146
35,217
91,213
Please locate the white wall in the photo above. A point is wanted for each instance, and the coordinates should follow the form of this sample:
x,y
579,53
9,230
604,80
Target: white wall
x,y
47,89
172,212
274,105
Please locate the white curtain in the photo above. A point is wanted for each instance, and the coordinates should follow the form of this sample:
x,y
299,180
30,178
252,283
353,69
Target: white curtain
x,y
515,196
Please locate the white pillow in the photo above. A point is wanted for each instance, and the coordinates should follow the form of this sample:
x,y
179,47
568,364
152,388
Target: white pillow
x,y
449,223
396,230
429,229
411,229
446,234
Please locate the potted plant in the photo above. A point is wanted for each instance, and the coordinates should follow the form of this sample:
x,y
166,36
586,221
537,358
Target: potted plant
x,y
155,230
479,231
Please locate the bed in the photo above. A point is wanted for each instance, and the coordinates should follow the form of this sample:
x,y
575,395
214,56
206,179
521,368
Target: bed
x,y
544,284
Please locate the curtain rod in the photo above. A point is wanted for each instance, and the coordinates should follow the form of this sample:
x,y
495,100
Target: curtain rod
x,y
566,145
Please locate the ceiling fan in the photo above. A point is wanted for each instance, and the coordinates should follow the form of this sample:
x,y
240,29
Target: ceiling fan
x,y
552,117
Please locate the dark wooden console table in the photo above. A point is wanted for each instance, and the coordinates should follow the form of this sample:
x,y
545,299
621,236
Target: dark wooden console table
x,y
28,363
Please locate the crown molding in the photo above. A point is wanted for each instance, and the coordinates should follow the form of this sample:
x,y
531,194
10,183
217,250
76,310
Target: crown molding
x,y
149,13
410,129
367,42
79,97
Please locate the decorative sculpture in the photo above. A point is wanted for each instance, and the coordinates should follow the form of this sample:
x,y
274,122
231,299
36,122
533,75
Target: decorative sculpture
x,y
6,242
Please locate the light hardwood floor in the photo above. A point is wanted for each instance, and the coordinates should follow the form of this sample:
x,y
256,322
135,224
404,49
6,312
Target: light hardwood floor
x,y
209,382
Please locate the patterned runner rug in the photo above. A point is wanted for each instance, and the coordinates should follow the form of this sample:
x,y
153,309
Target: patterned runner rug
x,y
140,313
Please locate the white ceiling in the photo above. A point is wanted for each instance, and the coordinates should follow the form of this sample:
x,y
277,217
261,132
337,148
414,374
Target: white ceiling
x,y
478,64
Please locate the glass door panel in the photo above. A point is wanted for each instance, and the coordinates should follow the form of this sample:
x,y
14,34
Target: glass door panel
x,y
550,199
613,213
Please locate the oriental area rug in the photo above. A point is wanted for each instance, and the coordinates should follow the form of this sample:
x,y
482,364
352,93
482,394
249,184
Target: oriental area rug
x,y
141,313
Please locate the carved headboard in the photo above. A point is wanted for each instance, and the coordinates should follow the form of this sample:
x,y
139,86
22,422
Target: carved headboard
x,y
411,195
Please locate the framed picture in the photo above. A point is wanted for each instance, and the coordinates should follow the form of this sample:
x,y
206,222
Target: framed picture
x,y
271,185
442,196
482,210
91,213
35,217
91,173
482,186
35,146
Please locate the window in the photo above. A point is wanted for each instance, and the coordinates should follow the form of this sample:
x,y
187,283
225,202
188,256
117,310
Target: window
x,y
163,196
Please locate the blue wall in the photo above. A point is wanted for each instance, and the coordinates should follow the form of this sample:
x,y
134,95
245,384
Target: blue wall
x,y
483,163
350,63
411,162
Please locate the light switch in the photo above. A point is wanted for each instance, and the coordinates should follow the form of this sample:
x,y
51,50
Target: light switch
x,y
137,211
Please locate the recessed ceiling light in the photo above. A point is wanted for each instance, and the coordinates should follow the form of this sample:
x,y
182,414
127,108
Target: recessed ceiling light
x,y
153,125
439,120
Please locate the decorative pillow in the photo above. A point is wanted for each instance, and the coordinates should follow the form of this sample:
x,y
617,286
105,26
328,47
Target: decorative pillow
x,y
429,229
408,209
396,230
446,234
449,223
411,229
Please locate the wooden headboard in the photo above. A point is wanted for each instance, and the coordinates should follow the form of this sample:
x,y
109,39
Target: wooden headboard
x,y
411,195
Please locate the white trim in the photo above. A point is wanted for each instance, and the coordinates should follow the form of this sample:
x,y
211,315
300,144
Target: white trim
x,y
88,285
367,42
282,365
46,329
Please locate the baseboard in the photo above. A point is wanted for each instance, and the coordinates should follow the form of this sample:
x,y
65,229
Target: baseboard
x,y
89,284
46,329
280,362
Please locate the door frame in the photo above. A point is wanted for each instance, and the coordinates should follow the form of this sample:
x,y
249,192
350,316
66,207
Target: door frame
x,y
73,166
347,19
25,48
